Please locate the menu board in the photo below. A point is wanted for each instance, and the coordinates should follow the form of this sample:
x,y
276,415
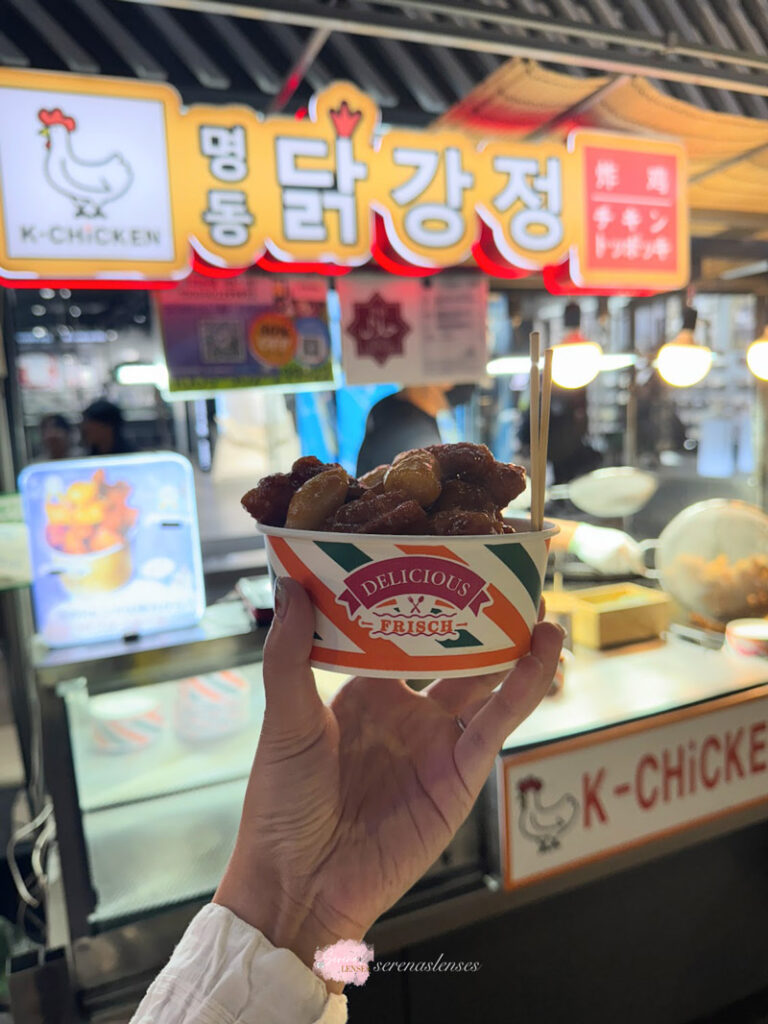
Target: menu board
x,y
246,332
114,545
413,332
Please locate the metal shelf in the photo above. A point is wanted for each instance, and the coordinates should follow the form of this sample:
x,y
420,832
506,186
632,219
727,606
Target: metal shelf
x,y
224,638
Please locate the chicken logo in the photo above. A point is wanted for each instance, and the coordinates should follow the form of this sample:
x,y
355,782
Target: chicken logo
x,y
544,824
90,184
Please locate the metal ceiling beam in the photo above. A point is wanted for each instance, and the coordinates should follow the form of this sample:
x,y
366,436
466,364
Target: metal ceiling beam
x,y
205,70
11,55
142,63
60,41
577,108
380,25
251,60
362,70
420,85
618,37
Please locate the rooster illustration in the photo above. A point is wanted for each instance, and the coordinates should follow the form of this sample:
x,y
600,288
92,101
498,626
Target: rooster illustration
x,y
544,825
90,184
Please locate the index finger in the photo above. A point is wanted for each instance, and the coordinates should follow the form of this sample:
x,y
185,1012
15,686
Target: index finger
x,y
504,710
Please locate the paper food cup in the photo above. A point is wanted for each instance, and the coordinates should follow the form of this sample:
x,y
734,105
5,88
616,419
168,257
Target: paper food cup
x,y
122,723
212,705
747,637
416,607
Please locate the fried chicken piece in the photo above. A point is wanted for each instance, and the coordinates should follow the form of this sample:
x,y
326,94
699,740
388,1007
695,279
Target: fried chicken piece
x,y
391,513
418,475
374,476
268,502
469,497
317,499
308,466
408,518
504,482
370,505
474,463
458,522
355,490
461,484
464,460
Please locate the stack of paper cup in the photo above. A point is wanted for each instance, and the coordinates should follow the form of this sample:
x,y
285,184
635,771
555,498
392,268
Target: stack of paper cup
x,y
212,705
748,637
124,722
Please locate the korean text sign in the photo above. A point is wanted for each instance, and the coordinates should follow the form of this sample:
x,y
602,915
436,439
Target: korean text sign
x,y
246,331
105,178
579,800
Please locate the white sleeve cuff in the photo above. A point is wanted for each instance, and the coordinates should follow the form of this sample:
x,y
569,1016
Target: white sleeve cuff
x,y
226,972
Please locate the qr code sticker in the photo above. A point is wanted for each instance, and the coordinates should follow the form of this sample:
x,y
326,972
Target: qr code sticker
x,y
222,341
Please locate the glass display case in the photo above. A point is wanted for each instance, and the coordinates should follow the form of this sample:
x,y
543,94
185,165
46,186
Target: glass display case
x,y
148,746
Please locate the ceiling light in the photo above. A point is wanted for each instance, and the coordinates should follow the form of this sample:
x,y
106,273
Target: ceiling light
x,y
576,359
757,356
683,362
505,366
155,374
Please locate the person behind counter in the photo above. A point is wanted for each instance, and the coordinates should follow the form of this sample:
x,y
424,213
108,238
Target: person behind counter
x,y
346,807
412,418
56,438
102,429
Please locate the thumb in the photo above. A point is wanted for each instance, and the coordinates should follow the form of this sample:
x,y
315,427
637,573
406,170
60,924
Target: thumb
x,y
292,701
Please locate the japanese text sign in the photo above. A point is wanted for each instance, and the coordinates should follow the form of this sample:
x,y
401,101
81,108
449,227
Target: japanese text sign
x,y
112,179
579,800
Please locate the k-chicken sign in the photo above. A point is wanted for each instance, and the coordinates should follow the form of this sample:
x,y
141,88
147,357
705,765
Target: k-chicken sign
x,y
582,799
113,179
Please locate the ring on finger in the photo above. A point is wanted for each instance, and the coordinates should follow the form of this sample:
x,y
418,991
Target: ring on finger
x,y
460,722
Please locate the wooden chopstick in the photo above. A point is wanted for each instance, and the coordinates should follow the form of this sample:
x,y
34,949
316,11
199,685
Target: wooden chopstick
x,y
534,414
546,402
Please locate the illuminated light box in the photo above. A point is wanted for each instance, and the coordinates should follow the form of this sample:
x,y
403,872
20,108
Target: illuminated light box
x,y
115,547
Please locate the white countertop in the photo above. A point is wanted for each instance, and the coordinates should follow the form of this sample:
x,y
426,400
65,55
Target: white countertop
x,y
174,844
604,688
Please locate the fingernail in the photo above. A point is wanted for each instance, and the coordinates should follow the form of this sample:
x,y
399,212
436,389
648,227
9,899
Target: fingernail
x,y
281,598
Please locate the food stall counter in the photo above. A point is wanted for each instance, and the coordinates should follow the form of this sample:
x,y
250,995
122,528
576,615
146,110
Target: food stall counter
x,y
606,688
